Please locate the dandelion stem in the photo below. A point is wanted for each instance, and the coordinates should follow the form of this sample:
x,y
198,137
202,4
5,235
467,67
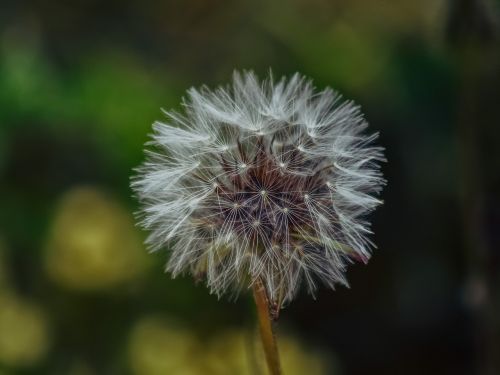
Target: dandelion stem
x,y
266,329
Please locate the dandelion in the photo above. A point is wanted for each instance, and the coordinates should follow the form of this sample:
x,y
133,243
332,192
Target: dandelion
x,y
264,185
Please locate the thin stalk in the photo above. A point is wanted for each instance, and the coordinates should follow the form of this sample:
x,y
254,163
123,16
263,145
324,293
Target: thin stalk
x,y
266,329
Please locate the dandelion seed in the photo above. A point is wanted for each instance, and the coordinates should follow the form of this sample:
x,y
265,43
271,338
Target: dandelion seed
x,y
262,182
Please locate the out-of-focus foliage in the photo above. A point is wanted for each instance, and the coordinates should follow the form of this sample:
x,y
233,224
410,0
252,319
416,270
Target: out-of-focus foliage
x,y
3,266
93,243
24,326
159,346
239,352
24,338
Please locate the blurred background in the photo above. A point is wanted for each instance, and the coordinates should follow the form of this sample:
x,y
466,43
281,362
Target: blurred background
x,y
82,81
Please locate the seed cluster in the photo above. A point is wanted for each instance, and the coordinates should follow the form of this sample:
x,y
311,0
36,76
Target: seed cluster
x,y
265,203
264,182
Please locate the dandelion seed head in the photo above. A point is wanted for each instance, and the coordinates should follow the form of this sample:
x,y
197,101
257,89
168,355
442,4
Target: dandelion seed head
x,y
268,181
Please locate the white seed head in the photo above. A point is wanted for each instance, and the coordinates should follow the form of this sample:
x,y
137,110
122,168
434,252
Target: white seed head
x,y
268,181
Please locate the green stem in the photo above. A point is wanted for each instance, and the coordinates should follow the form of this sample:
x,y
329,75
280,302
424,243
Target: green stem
x,y
266,329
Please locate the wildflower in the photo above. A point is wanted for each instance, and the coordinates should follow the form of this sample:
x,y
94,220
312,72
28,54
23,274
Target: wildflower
x,y
262,182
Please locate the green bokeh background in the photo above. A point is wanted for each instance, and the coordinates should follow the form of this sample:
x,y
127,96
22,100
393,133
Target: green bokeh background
x,y
82,81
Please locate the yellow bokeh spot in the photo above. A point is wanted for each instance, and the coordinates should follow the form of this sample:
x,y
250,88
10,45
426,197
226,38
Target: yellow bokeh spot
x,y
24,337
231,352
158,347
93,243
240,352
297,359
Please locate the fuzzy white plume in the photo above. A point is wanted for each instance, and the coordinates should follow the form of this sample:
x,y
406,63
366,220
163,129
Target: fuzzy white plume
x,y
261,181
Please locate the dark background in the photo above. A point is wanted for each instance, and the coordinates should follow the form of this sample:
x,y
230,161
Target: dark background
x,y
82,81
